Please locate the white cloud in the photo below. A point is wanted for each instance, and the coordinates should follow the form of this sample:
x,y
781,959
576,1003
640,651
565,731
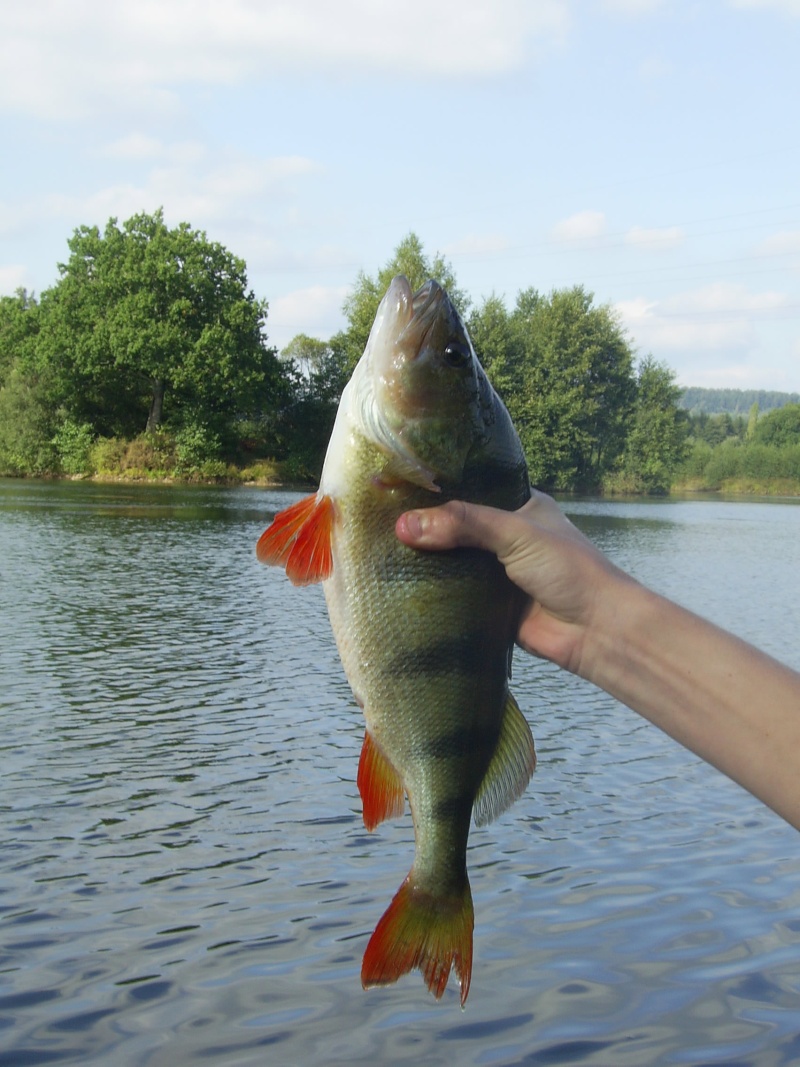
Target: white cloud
x,y
786,7
190,185
134,146
663,237
64,60
786,242
138,147
719,318
583,226
316,311
13,276
724,297
478,245
631,7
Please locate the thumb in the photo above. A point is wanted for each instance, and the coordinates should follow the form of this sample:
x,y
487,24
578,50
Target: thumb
x,y
454,525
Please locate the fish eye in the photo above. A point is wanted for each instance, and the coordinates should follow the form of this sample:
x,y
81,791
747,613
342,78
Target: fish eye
x,y
456,354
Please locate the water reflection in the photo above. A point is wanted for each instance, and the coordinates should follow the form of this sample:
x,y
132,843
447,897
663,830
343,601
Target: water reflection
x,y
184,874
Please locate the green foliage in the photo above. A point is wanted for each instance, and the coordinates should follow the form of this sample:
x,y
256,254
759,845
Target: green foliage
x,y
565,371
317,371
148,321
155,327
361,304
733,401
498,342
19,325
656,441
27,426
196,446
73,445
743,465
107,454
151,455
780,427
714,429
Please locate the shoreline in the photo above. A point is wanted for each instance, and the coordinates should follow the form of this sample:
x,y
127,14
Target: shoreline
x,y
774,490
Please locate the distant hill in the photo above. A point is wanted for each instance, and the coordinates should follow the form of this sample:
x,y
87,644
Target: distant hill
x,y
734,401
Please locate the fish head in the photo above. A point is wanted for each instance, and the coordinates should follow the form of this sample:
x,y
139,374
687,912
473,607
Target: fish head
x,y
430,397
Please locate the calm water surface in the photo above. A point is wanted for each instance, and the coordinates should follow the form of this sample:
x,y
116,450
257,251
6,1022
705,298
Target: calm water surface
x,y
184,876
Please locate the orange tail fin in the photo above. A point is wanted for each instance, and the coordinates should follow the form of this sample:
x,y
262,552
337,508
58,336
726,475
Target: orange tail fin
x,y
299,539
424,931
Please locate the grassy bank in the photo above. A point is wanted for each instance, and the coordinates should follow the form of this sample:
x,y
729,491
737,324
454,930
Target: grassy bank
x,y
733,467
739,486
155,457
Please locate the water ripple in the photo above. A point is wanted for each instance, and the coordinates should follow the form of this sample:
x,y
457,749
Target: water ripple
x,y
184,874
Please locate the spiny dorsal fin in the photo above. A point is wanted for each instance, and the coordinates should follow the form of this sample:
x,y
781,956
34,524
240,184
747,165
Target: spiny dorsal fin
x,y
510,770
299,539
382,793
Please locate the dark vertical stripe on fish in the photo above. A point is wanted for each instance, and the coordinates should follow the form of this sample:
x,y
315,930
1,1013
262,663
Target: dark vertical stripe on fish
x,y
461,742
453,809
466,654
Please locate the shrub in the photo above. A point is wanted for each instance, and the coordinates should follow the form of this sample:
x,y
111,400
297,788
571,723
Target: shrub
x,y
106,455
195,448
73,443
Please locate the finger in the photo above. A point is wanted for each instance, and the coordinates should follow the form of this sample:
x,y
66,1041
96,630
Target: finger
x,y
459,525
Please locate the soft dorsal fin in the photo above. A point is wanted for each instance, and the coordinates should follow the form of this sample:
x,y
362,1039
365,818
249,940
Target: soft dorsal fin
x,y
510,770
299,539
382,793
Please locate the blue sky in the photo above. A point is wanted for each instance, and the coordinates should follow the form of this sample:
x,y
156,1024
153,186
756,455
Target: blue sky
x,y
646,149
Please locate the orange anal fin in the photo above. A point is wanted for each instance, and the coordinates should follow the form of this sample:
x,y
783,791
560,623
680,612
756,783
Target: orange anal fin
x,y
420,930
299,539
382,793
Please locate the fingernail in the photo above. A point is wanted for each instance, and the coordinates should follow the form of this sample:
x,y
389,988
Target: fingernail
x,y
415,524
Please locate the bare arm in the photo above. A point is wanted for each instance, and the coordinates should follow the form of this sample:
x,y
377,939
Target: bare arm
x,y
723,699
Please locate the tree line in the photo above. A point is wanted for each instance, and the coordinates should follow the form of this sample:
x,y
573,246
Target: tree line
x,y
734,401
150,355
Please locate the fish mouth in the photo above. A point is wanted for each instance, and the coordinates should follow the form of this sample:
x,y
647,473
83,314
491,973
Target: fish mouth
x,y
433,319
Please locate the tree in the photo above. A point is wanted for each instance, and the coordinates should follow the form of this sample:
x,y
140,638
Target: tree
x,y
656,442
780,427
19,324
571,387
317,374
362,303
496,343
148,322
28,417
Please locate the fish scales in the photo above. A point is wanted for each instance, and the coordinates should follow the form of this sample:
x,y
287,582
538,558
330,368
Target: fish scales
x,y
425,638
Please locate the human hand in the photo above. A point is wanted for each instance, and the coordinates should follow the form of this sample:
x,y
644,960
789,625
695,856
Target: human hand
x,y
564,575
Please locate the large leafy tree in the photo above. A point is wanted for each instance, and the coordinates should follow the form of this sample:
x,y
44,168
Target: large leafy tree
x,y
780,427
656,442
410,259
19,324
565,370
148,322
28,415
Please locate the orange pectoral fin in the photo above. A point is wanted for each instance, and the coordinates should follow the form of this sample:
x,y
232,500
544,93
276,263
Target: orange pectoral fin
x,y
382,793
299,539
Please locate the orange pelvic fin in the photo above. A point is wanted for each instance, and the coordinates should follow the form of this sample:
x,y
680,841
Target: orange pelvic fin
x,y
424,931
382,793
299,539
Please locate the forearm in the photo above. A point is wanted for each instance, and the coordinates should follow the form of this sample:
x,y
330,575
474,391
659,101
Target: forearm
x,y
721,698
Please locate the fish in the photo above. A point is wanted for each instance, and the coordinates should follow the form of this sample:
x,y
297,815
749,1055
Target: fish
x,y
425,638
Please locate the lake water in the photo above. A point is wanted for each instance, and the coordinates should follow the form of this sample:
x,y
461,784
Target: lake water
x,y
184,875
